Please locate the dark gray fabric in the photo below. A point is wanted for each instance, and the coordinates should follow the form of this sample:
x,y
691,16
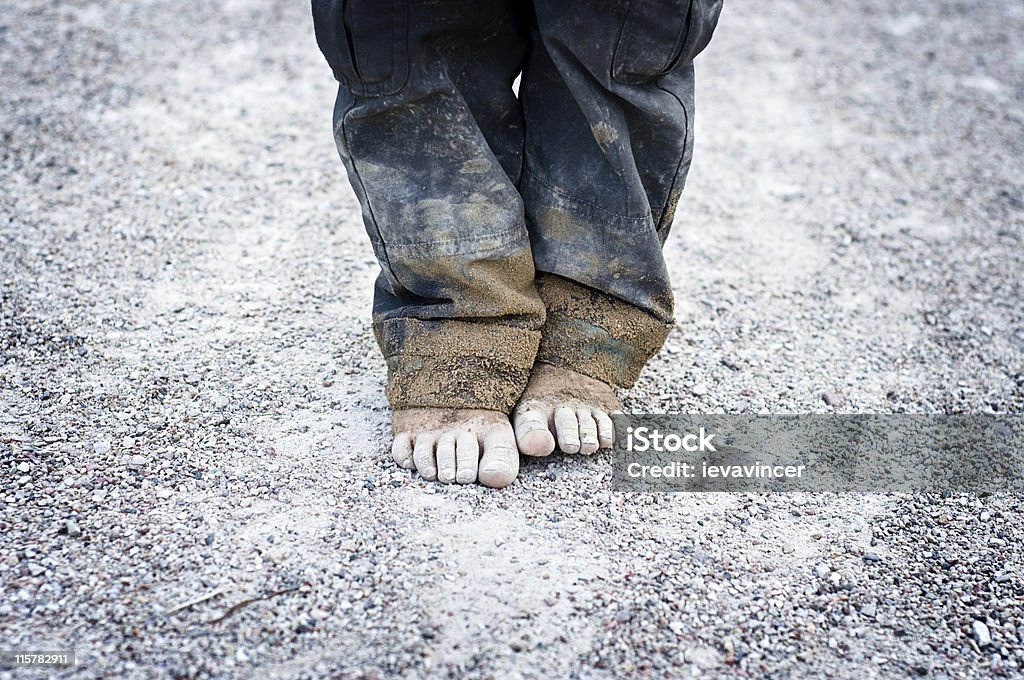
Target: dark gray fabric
x,y
469,192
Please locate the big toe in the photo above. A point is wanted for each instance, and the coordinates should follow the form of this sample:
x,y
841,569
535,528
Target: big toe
x,y
499,464
533,436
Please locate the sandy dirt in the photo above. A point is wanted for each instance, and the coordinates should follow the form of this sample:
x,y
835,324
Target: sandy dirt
x,y
194,470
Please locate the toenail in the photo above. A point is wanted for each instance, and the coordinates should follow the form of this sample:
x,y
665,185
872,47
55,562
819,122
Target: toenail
x,y
498,466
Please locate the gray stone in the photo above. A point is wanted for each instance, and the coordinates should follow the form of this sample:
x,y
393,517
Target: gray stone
x,y
980,633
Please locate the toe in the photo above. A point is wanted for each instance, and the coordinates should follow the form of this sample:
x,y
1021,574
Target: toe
x,y
401,450
467,457
605,429
499,464
568,428
532,432
588,431
446,457
423,455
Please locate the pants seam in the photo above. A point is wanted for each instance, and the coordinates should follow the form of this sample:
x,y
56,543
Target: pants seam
x,y
682,159
535,177
355,171
511,231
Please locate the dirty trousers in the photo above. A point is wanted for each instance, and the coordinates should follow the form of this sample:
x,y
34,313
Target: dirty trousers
x,y
513,228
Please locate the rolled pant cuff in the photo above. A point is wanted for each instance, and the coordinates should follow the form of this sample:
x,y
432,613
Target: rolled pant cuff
x,y
455,364
595,334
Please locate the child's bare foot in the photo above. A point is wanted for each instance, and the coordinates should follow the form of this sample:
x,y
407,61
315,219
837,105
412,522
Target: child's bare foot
x,y
564,407
456,445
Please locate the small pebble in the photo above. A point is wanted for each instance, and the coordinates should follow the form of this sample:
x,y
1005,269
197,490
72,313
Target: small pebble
x,y
980,633
833,399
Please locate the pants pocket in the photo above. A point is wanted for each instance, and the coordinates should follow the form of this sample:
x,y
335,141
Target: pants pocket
x,y
365,43
660,35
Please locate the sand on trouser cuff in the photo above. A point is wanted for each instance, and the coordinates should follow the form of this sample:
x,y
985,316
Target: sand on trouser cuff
x,y
455,364
595,334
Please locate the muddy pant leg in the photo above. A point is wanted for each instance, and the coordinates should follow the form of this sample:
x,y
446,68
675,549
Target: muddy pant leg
x,y
608,104
431,135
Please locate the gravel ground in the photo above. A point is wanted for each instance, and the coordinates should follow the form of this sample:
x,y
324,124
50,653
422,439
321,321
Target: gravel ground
x,y
195,479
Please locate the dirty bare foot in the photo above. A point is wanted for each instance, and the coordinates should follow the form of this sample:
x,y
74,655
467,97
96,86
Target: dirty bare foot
x,y
456,445
566,408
